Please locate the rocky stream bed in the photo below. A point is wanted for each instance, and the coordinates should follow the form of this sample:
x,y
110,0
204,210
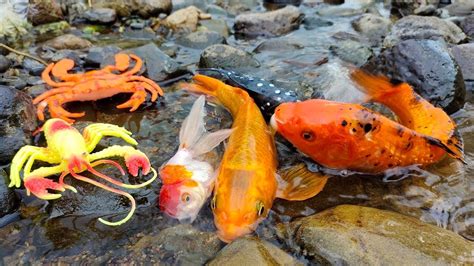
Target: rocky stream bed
x,y
423,217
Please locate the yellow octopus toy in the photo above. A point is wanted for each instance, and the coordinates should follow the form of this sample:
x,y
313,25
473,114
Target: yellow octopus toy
x,y
72,152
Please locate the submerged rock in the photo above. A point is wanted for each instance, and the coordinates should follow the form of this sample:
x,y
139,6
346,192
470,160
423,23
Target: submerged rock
x,y
352,51
217,25
100,15
44,11
374,27
4,63
8,200
418,27
467,25
33,67
226,56
252,251
355,235
201,39
68,41
273,23
178,245
427,66
17,122
402,8
185,19
97,55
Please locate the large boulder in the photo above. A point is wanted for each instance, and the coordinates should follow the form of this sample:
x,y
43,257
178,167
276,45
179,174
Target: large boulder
x,y
144,8
272,23
427,66
355,235
17,122
186,19
226,56
44,11
419,27
464,55
8,200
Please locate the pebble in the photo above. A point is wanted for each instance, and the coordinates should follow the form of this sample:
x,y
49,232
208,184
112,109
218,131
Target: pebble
x,y
226,56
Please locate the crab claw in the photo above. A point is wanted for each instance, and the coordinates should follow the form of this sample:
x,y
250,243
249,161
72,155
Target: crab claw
x,y
39,187
135,161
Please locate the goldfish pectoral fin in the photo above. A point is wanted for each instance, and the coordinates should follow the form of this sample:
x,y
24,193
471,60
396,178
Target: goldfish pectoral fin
x,y
298,183
193,126
211,140
453,147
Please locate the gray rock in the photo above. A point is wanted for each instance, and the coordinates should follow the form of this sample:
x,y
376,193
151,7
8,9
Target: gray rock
x,y
467,25
9,202
418,27
186,19
352,51
17,122
159,66
179,245
68,41
355,235
226,56
44,11
100,15
311,23
4,64
252,251
144,8
460,8
374,27
33,67
425,10
418,63
272,23
275,45
217,25
464,55
201,39
402,8
216,10
97,55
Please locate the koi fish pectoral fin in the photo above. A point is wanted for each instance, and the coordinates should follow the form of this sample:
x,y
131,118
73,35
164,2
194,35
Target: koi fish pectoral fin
x,y
298,183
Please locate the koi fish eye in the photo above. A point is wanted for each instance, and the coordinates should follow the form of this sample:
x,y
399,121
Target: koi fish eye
x,y
260,208
186,197
307,135
213,203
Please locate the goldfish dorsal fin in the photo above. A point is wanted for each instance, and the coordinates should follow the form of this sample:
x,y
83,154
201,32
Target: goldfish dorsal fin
x,y
210,141
193,128
298,183
375,87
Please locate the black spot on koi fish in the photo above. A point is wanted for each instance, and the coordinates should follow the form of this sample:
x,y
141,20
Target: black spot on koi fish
x,y
344,123
265,94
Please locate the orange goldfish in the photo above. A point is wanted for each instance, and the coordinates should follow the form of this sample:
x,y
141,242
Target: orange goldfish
x,y
187,181
350,136
247,182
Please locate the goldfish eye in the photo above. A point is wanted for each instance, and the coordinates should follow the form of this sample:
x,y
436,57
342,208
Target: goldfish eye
x,y
213,203
185,197
260,208
307,135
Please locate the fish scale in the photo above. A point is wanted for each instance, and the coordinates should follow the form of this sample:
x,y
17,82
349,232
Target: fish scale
x,y
266,95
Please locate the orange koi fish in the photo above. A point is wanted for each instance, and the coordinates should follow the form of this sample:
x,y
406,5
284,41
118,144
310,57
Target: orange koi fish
x,y
188,181
350,136
247,182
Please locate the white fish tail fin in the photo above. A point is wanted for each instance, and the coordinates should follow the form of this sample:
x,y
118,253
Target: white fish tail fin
x,y
210,141
193,128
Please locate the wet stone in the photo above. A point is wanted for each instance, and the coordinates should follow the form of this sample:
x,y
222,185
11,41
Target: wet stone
x,y
178,245
186,19
467,25
418,63
311,23
4,63
217,25
226,56
464,55
9,202
419,27
402,8
272,23
201,39
44,11
68,41
144,8
374,27
97,55
352,51
355,235
100,15
252,251
17,122
275,45
33,67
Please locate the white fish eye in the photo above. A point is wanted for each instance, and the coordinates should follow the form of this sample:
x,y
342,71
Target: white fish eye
x,y
186,197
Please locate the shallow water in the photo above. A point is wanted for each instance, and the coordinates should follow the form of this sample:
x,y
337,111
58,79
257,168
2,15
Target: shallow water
x,y
441,194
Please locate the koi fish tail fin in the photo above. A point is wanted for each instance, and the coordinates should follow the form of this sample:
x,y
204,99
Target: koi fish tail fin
x,y
453,146
377,88
193,134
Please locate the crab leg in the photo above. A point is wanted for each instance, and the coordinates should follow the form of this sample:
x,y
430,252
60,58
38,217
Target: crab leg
x,y
148,81
136,67
95,132
38,185
47,78
137,98
19,160
42,155
50,93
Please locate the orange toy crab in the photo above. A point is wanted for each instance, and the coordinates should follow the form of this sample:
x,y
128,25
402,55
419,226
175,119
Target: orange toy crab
x,y
94,85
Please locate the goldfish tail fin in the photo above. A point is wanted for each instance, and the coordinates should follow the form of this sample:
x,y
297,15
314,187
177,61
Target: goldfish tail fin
x,y
193,134
454,146
375,87
298,183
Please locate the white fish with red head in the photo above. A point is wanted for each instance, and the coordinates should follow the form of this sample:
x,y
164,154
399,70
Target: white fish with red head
x,y
188,181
